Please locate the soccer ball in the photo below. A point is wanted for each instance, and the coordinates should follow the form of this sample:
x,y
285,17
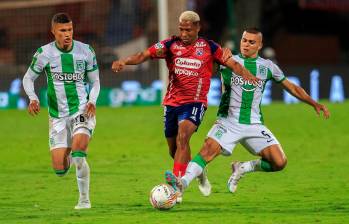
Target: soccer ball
x,y
163,197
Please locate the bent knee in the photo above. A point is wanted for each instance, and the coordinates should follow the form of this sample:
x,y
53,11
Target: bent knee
x,y
210,149
280,165
183,138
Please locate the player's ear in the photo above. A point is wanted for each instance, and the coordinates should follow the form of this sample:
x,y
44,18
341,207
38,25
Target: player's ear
x,y
199,27
260,46
52,30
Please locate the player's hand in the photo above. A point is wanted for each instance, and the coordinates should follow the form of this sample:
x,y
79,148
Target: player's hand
x,y
34,107
90,109
226,54
118,65
320,107
249,77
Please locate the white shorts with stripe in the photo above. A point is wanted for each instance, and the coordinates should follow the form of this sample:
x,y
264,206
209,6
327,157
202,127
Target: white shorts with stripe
x,y
62,130
254,137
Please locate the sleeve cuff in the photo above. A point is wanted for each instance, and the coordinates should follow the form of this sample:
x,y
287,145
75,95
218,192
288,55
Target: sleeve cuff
x,y
280,80
31,68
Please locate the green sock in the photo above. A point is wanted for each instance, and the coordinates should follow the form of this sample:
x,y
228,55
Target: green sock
x,y
61,173
194,169
266,166
200,161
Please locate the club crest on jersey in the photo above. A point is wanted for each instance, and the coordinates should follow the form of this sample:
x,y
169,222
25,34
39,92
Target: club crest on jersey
x,y
200,44
199,51
219,132
262,70
80,65
179,53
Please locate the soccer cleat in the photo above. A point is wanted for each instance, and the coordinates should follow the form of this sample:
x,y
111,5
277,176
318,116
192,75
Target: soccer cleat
x,y
204,184
83,204
235,176
177,185
179,198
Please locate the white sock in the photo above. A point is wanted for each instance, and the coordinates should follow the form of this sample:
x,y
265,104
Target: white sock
x,y
193,170
250,166
82,177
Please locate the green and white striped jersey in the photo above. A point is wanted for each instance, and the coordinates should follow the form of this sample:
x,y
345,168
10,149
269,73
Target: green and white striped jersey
x,y
241,100
67,73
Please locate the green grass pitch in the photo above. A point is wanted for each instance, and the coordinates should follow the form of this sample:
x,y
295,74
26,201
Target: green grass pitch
x,y
128,156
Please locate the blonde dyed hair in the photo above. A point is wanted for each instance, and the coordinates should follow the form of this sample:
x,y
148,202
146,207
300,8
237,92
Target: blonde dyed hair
x,y
189,16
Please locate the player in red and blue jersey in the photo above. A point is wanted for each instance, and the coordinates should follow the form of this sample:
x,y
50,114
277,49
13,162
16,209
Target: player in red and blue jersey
x,y
190,61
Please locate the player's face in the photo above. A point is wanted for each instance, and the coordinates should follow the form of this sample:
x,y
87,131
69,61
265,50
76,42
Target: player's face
x,y
188,32
63,33
250,44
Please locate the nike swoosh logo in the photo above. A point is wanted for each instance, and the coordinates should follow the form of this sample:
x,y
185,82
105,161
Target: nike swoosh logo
x,y
270,140
53,67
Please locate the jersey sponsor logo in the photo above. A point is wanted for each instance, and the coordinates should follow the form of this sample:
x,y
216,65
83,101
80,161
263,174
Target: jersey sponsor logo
x,y
246,85
200,44
188,63
68,76
80,65
159,52
159,45
177,47
181,71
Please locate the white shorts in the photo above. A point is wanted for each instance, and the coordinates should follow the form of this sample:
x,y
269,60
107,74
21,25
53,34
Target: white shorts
x,y
62,130
254,137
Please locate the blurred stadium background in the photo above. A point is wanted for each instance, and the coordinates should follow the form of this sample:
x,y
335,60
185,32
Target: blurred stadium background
x,y
307,38
128,154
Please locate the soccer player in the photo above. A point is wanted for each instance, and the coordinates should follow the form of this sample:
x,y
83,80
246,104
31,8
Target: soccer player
x,y
240,119
190,60
68,64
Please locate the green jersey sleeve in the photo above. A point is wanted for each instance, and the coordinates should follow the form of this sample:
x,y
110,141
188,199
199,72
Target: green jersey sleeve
x,y
91,61
39,61
277,74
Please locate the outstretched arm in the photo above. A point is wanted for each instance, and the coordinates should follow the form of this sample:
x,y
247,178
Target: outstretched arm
x,y
300,94
135,59
240,70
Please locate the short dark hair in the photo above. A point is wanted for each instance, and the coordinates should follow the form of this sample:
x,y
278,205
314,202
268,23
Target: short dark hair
x,y
61,17
253,30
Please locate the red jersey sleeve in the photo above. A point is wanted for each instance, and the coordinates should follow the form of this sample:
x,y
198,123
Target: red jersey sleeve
x,y
160,49
216,51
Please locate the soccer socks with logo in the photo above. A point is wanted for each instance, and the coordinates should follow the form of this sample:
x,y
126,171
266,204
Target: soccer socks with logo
x,y
256,165
82,174
194,169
